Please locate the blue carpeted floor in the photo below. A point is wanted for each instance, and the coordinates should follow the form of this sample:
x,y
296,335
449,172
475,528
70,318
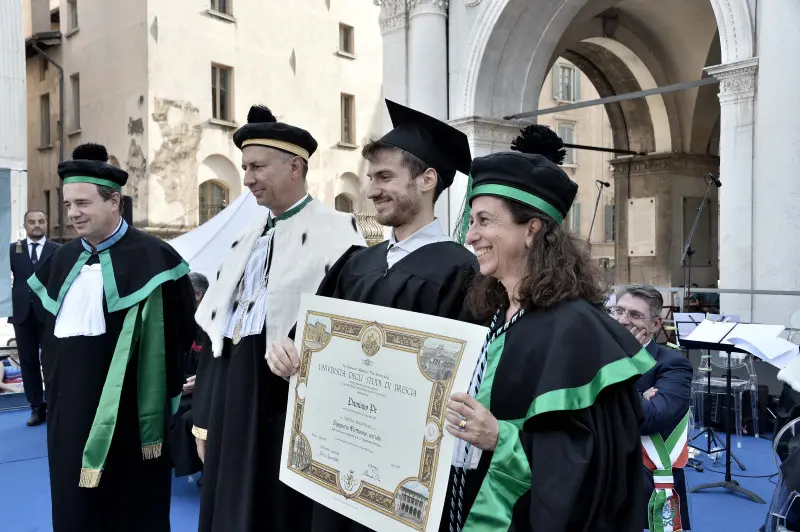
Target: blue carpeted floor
x,y
25,491
25,487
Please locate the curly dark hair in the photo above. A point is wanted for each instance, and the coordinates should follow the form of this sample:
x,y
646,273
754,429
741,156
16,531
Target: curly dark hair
x,y
540,140
559,267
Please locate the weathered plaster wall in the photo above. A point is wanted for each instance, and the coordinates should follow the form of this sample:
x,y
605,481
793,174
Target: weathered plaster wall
x,y
284,58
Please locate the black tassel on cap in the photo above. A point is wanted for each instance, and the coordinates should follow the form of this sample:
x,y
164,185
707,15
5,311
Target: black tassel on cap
x,y
90,152
259,114
540,140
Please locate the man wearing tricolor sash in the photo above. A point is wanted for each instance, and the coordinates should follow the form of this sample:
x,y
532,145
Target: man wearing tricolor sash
x,y
119,316
661,457
666,395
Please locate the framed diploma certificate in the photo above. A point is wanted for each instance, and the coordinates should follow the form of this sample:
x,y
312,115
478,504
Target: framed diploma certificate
x,y
365,421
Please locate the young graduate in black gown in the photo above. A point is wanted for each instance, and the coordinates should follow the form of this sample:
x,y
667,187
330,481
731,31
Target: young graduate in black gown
x,y
120,316
240,405
419,268
550,427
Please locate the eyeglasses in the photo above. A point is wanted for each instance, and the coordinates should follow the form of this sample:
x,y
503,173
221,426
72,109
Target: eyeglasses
x,y
618,312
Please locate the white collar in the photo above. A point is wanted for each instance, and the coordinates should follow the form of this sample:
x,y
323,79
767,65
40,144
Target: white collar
x,y
40,241
423,236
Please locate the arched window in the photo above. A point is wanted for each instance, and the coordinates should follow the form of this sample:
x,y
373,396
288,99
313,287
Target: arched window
x,y
213,198
344,203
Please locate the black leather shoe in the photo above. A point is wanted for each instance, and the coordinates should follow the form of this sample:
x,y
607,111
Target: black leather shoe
x,y
38,416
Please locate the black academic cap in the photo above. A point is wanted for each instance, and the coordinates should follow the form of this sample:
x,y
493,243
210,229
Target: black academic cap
x,y
89,164
531,179
263,129
439,145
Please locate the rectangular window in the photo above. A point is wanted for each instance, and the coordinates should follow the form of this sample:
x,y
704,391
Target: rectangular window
x,y
75,82
346,39
72,9
43,71
566,131
348,119
566,83
44,120
222,6
221,92
609,223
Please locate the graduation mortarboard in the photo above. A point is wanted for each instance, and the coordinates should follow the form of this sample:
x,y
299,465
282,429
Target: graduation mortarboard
x,y
530,179
263,129
89,164
437,144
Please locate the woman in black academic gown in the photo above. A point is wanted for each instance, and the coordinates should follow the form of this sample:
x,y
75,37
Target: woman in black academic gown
x,y
549,437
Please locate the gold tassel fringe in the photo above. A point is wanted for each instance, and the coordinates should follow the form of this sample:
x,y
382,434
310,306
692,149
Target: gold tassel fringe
x,y
151,450
90,478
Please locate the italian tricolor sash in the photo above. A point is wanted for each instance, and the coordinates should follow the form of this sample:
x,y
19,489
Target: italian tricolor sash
x,y
660,457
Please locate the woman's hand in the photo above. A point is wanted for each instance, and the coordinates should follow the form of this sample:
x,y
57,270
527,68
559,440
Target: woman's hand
x,y
468,420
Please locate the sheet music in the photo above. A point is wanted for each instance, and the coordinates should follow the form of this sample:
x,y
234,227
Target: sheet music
x,y
757,339
686,322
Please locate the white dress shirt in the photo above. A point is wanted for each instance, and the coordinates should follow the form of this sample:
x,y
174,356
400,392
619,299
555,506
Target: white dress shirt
x,y
430,234
39,247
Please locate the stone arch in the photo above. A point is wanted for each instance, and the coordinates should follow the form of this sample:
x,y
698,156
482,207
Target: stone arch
x,y
219,168
349,186
492,84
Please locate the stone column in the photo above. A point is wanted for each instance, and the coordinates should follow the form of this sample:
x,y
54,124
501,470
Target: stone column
x,y
427,57
776,168
485,136
427,70
394,26
736,251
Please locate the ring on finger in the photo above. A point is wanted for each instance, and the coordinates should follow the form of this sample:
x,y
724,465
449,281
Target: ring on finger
x,y
462,425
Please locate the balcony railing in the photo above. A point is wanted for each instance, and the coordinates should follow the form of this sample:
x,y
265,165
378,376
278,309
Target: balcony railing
x,y
370,228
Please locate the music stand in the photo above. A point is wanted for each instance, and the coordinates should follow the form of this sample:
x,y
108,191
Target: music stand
x,y
728,483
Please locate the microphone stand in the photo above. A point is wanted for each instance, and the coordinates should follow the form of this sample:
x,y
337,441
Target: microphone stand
x,y
686,264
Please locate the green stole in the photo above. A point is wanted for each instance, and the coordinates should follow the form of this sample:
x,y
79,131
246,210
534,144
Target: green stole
x,y
509,475
143,327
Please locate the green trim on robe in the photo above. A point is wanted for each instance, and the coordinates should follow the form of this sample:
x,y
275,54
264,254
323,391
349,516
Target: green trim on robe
x,y
583,396
143,328
509,475
50,305
116,303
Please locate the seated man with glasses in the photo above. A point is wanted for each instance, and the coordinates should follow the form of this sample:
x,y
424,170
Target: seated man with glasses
x,y
666,396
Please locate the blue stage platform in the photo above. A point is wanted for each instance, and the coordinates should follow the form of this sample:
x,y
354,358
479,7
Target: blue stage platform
x,y
25,492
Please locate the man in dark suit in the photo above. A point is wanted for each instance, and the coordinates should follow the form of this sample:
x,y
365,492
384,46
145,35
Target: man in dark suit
x,y
29,315
666,389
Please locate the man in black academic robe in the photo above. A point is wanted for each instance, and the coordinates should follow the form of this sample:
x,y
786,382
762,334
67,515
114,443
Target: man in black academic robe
x,y
419,269
240,406
119,316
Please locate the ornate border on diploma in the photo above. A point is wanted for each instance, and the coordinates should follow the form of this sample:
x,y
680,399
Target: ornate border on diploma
x,y
435,365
